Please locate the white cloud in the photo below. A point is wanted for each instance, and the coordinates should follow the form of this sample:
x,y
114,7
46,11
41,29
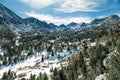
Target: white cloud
x,y
118,14
39,4
102,16
58,20
69,6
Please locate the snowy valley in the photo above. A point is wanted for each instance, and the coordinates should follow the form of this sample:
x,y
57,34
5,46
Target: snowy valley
x,y
31,49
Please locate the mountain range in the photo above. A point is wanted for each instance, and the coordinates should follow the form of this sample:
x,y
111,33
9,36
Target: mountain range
x,y
18,25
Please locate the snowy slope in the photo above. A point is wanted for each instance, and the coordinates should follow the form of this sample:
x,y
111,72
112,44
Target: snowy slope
x,y
33,65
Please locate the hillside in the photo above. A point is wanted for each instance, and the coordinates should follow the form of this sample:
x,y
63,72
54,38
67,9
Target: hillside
x,y
31,49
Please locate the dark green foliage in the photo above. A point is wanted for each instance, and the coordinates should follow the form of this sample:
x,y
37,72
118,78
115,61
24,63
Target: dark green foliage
x,y
97,55
71,72
8,75
84,70
113,71
39,77
114,68
37,43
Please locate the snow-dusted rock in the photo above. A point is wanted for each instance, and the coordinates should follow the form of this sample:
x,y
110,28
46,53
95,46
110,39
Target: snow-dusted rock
x,y
101,77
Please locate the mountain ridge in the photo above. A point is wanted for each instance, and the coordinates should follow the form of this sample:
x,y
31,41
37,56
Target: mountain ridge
x,y
31,24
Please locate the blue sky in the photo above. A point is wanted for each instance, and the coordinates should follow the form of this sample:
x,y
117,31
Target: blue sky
x,y
63,11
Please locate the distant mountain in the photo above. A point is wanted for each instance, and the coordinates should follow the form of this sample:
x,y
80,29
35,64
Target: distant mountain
x,y
8,16
39,25
96,22
32,25
72,24
9,19
18,25
109,19
62,27
77,26
113,18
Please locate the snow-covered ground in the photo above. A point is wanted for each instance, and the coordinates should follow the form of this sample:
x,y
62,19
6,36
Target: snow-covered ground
x,y
108,57
33,65
101,77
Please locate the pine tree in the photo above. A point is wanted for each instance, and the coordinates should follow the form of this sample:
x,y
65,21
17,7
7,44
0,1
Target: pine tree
x,y
114,68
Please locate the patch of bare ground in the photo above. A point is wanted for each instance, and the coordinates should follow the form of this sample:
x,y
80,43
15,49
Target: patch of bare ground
x,y
37,66
45,66
24,68
21,75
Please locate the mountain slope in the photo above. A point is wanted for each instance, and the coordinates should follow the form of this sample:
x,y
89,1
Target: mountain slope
x,y
39,25
32,25
8,16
